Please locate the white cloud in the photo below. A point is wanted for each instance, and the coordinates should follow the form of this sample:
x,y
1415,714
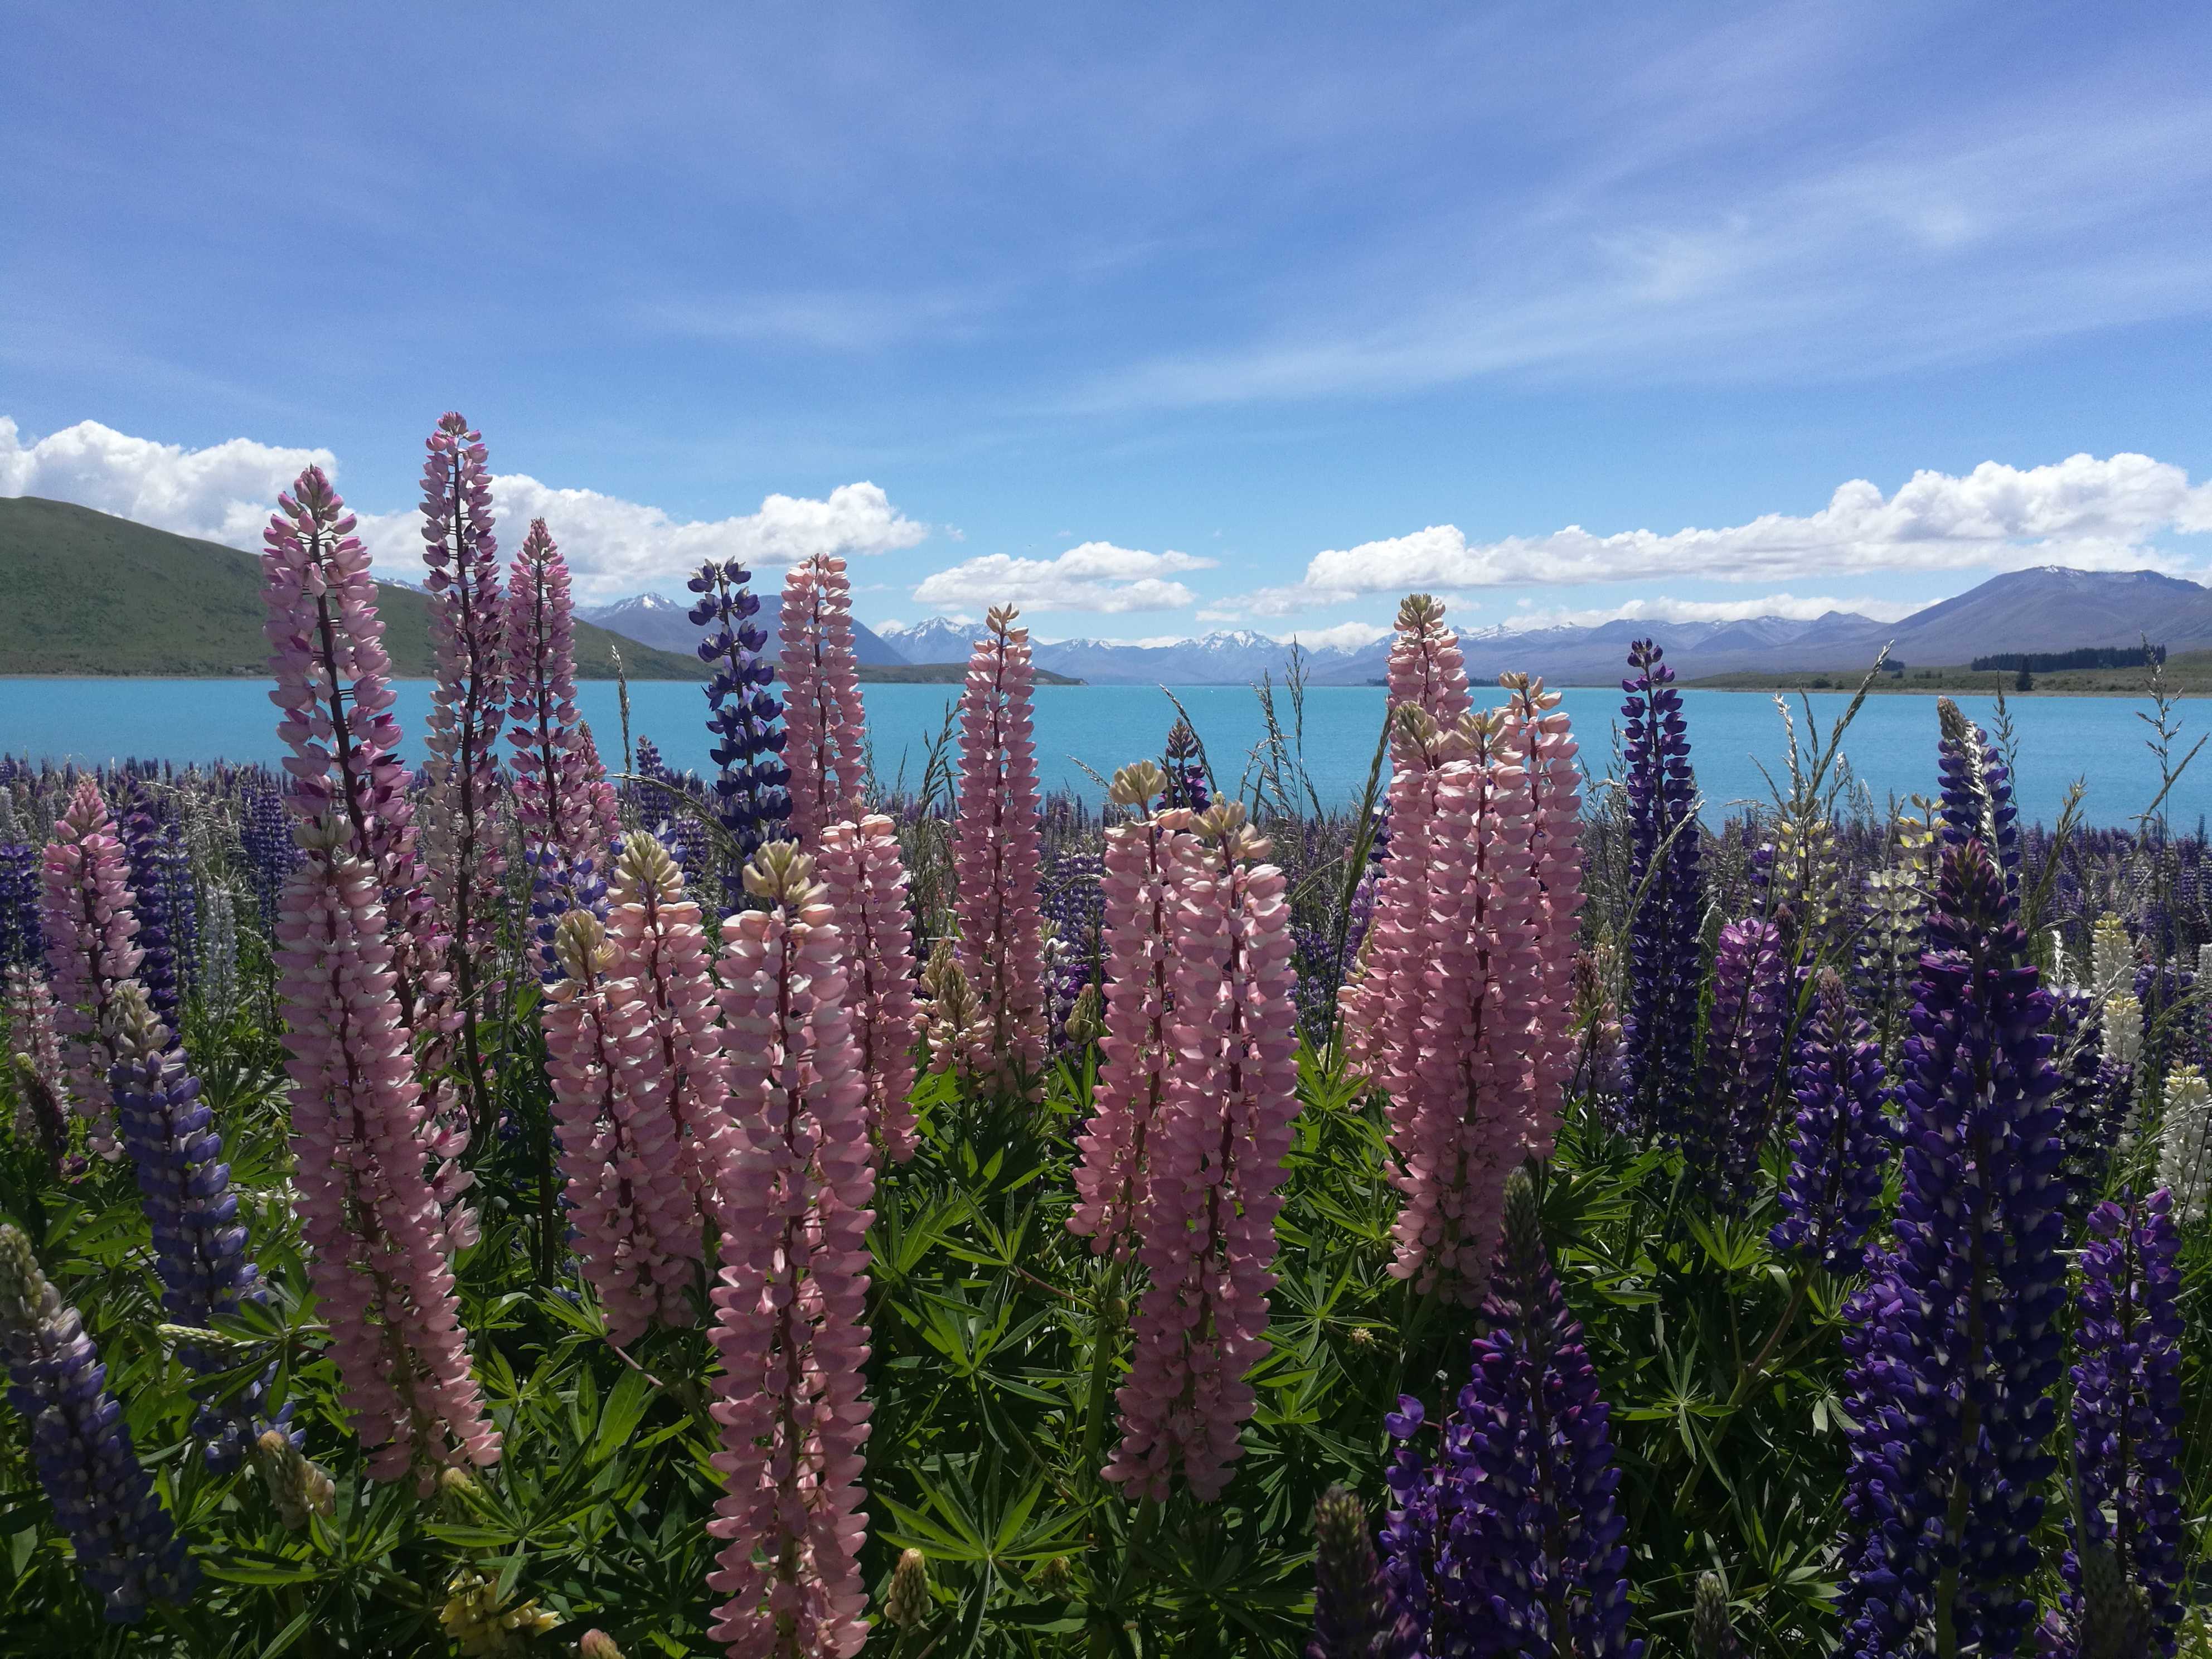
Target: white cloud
x,y
1788,606
226,492
1345,637
2091,513
223,493
1096,576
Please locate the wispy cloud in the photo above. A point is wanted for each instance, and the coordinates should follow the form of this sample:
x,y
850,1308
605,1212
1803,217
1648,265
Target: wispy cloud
x,y
1788,606
1096,576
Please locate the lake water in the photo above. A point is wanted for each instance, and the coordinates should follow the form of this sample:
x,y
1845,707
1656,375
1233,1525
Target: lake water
x,y
1891,745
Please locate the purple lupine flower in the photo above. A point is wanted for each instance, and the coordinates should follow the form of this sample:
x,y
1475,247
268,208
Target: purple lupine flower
x,y
264,835
1074,905
1976,791
199,1244
153,881
1725,1134
2171,1033
1509,1540
2088,1084
103,1500
21,939
1186,769
1659,1080
1840,1148
1355,1614
2128,1415
749,795
1955,1345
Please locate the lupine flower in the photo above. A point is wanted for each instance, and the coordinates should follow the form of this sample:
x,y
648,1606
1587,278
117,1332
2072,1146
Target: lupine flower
x,y
154,859
2127,1418
1147,861
791,1304
1425,670
1659,1082
219,955
297,1488
562,801
1355,1614
2111,959
1509,1539
2185,1143
34,1047
88,913
1954,1344
103,1500
635,1057
21,939
462,848
867,878
826,746
1214,1170
1382,1003
1839,1148
1976,802
956,1030
266,837
1184,763
481,1620
996,851
1743,1051
2122,1043
598,1644
749,796
199,1245
1712,1632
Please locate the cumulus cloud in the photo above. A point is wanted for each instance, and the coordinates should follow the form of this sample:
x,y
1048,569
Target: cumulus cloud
x,y
1096,576
224,493
1344,636
2091,513
1788,606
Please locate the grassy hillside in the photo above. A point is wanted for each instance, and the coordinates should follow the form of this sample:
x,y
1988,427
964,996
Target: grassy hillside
x,y
85,592
2187,671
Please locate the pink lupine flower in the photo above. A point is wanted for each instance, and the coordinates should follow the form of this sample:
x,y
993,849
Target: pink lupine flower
x,y
1215,1170
1538,727
1381,1003
367,1211
34,1044
1427,670
562,801
615,1099
867,882
791,1303
462,853
826,734
996,846
87,914
1146,860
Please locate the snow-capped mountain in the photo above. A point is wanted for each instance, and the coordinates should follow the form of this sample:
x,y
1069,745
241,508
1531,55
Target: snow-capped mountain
x,y
656,620
937,640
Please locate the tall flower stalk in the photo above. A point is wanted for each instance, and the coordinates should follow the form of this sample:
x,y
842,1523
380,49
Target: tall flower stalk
x,y
1214,1170
750,797
126,1547
1659,1082
462,850
996,850
1725,1137
1839,1142
368,1210
89,916
1508,1538
860,863
791,1303
163,900
826,746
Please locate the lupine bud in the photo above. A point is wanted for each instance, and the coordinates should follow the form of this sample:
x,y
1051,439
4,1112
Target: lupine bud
x,y
1712,1632
1085,1022
480,1622
297,1488
1355,1616
102,1498
996,852
956,1029
907,1604
598,1644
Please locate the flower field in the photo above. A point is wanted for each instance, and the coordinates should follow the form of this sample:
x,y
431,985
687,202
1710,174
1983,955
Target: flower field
x,y
550,1202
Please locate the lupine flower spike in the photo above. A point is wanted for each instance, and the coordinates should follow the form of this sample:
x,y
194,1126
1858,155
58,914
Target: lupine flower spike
x,y
1147,860
2185,1143
1954,1343
562,801
867,877
1538,728
160,878
1508,1539
749,793
463,851
89,919
996,852
1355,1616
826,744
791,1304
1839,1147
34,1047
1659,1079
1724,1139
126,1547
1215,1169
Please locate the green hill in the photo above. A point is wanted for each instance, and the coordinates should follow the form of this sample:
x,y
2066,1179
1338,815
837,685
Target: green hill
x,y
86,592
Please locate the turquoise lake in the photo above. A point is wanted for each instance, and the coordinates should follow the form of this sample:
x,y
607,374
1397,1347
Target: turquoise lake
x,y
1891,746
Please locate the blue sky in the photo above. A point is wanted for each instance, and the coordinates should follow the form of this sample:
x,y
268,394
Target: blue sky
x,y
1158,319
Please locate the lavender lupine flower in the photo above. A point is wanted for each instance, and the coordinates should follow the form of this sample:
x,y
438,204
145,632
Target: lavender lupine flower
x,y
1355,1614
126,1547
153,859
21,937
1977,801
1743,1051
1840,1147
1185,764
1509,1541
2127,1417
749,796
264,835
1659,1081
1955,1345
199,1245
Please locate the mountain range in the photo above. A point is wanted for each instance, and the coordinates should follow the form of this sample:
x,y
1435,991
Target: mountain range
x,y
655,619
86,592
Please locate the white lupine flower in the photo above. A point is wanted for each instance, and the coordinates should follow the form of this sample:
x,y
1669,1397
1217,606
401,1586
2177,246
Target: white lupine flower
x,y
2124,1030
219,954
2111,959
2060,973
2184,1168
